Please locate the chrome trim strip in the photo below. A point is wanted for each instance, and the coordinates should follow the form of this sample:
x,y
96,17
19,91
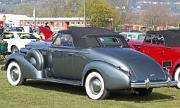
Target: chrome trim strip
x,y
154,84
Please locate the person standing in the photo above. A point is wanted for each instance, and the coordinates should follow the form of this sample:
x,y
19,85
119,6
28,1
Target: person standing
x,y
46,25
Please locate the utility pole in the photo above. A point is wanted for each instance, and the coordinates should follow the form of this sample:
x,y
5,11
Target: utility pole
x,y
84,13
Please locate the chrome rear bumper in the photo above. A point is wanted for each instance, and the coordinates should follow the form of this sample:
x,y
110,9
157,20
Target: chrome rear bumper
x,y
147,84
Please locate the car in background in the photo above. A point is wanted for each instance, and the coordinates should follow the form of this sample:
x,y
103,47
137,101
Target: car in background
x,y
137,36
16,29
17,40
164,47
96,58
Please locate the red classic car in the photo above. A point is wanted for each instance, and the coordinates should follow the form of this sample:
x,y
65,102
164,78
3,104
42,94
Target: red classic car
x,y
164,47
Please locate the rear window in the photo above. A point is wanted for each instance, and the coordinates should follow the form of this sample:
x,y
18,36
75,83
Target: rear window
x,y
26,36
110,41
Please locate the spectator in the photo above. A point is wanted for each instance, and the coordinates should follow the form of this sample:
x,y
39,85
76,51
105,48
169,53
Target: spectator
x,y
46,25
30,30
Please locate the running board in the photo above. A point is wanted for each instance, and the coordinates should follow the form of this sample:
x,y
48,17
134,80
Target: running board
x,y
63,81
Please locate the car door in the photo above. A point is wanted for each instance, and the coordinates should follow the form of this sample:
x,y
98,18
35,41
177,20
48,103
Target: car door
x,y
154,47
61,57
67,61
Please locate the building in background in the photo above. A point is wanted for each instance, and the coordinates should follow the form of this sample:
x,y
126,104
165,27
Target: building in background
x,y
55,24
12,20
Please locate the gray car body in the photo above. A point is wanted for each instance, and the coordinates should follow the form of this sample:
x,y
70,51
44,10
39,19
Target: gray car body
x,y
72,65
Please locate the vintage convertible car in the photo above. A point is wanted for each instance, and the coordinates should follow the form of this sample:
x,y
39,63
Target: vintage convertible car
x,y
96,58
164,47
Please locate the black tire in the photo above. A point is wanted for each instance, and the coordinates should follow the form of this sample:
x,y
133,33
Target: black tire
x,y
14,74
14,49
95,88
143,92
35,58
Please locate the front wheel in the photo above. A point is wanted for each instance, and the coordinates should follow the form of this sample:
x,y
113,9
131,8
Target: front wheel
x,y
14,74
94,85
177,77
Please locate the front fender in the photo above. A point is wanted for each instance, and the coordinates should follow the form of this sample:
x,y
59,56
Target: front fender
x,y
27,69
114,79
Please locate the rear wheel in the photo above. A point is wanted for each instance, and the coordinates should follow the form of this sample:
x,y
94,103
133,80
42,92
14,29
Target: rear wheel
x,y
14,74
143,91
177,77
94,85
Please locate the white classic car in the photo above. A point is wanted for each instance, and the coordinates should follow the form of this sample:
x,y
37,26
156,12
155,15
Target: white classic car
x,y
17,40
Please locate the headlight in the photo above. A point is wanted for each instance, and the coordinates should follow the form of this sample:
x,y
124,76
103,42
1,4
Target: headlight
x,y
123,67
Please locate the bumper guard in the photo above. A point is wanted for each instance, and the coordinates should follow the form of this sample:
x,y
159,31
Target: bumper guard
x,y
147,84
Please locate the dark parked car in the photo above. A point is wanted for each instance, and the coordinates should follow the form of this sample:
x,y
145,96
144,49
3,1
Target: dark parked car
x,y
16,29
164,47
96,58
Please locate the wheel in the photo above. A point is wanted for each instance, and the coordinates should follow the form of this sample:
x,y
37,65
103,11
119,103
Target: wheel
x,y
14,74
35,58
143,91
177,77
14,49
94,85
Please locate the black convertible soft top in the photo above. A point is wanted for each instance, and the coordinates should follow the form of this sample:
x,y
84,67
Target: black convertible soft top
x,y
84,37
172,37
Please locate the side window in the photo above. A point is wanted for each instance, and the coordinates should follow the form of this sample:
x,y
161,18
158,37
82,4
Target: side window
x,y
158,39
147,38
64,40
161,40
8,35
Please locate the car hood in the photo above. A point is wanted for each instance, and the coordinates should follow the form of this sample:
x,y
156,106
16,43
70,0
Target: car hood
x,y
141,66
38,44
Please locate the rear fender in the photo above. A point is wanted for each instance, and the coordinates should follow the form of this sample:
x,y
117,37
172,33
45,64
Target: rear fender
x,y
175,66
114,78
28,70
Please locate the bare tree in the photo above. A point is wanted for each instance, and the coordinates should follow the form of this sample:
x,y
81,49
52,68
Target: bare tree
x,y
156,15
24,9
123,13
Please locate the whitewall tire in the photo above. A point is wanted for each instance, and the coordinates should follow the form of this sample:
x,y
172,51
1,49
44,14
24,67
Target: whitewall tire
x,y
177,77
14,74
94,85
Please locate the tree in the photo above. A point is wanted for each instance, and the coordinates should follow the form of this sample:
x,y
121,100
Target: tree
x,y
99,13
24,9
156,15
50,8
58,8
123,13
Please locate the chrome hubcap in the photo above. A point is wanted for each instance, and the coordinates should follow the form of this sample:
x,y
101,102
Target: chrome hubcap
x,y
96,86
14,74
